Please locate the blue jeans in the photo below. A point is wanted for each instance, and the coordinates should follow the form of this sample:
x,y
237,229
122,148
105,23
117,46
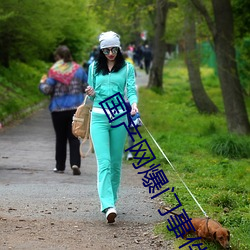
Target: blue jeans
x,y
109,146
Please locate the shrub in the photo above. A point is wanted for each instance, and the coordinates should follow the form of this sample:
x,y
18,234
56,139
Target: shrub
x,y
224,200
231,146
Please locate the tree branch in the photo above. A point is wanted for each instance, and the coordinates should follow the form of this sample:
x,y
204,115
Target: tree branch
x,y
202,9
172,5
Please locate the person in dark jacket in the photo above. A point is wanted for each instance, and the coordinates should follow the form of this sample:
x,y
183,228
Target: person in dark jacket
x,y
147,54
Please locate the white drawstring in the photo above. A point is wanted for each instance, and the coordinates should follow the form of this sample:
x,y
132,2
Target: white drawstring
x,y
175,170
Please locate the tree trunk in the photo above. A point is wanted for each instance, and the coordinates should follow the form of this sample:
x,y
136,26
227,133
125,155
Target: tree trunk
x,y
159,47
223,38
235,109
201,99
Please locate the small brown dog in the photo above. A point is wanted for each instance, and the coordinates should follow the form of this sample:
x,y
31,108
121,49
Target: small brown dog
x,y
209,229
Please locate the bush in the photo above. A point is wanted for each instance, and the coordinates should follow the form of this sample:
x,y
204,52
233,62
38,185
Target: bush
x,y
19,88
224,200
231,146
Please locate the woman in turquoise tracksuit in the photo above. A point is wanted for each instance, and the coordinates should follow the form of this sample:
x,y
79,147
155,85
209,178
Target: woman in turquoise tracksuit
x,y
108,75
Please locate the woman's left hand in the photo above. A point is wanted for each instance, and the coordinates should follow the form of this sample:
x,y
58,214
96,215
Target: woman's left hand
x,y
134,109
90,91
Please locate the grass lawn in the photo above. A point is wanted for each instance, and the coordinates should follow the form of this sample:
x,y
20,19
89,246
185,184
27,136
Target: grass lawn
x,y
214,164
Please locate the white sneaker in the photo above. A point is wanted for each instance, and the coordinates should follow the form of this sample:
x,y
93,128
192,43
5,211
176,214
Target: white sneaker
x,y
58,171
129,156
76,170
111,214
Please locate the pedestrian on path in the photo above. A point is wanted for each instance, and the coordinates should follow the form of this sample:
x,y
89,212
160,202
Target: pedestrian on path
x,y
111,75
65,84
147,54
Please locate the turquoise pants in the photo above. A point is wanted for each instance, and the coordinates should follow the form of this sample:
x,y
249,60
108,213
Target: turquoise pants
x,y
109,146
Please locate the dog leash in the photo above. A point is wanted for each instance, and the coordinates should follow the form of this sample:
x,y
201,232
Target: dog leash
x,y
175,170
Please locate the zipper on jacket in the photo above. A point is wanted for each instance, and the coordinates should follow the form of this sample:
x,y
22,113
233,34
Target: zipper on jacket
x,y
109,84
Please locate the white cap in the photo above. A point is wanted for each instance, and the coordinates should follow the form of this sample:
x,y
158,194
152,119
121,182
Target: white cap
x,y
109,39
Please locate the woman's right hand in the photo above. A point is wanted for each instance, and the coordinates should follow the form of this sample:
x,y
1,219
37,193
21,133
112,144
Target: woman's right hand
x,y
90,91
134,109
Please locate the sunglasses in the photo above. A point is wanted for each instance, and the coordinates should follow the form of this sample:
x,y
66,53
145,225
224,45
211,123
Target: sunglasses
x,y
106,51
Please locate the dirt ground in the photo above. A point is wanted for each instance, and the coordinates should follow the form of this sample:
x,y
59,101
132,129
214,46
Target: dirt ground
x,y
50,234
40,209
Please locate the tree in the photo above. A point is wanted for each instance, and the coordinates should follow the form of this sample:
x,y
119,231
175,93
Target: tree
x,y
241,17
201,99
128,17
242,33
28,33
159,46
223,38
23,33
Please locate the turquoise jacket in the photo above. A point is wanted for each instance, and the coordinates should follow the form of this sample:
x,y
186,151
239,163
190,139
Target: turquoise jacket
x,y
105,86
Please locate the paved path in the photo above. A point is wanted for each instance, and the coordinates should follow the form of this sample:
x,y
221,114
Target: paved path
x,y
141,78
38,207
26,163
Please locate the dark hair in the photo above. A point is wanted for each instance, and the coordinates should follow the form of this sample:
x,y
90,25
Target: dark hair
x,y
64,53
102,67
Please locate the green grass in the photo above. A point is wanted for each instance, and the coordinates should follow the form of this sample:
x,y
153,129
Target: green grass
x,y
19,87
214,164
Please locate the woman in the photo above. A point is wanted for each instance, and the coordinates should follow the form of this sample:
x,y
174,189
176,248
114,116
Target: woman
x,y
108,75
65,83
